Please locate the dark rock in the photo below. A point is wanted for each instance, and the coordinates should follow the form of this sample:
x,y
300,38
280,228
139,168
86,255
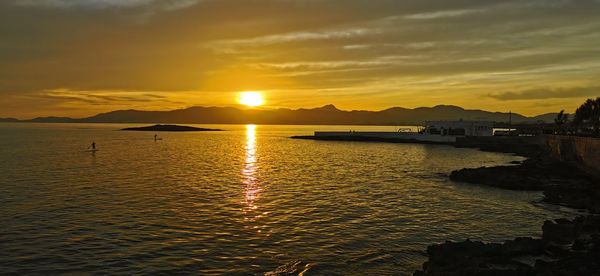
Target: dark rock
x,y
568,247
477,258
575,264
506,177
522,246
576,194
556,251
175,128
562,183
560,231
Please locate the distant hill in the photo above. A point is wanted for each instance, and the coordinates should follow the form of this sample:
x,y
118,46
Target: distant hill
x,y
548,117
326,115
53,120
8,120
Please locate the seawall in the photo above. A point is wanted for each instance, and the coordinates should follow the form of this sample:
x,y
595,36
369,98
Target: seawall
x,y
528,146
584,151
408,136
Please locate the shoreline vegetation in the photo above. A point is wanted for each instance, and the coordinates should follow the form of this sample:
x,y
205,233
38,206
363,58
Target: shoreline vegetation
x,y
170,128
567,247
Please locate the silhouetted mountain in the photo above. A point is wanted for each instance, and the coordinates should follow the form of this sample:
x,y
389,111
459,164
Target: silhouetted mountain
x,y
326,115
9,120
548,117
53,120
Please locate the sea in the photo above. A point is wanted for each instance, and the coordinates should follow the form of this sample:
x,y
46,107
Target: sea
x,y
248,200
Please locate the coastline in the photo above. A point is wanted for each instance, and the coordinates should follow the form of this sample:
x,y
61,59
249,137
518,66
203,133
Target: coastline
x,y
367,139
567,247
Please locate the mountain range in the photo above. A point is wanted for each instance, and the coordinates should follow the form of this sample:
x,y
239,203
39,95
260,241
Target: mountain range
x,y
325,115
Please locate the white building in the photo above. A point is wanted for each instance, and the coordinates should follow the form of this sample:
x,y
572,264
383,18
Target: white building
x,y
460,128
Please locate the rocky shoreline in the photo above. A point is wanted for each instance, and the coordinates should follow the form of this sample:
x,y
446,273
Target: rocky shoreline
x,y
567,247
562,183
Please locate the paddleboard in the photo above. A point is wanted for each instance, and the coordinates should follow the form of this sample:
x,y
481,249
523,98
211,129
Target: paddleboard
x,y
92,150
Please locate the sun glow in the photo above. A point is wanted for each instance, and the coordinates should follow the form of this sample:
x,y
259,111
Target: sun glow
x,y
251,98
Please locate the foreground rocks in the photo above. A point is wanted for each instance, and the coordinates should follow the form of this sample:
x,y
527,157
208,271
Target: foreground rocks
x,y
562,183
567,247
575,194
531,174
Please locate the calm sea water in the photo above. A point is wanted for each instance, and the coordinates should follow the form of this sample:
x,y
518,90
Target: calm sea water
x,y
243,201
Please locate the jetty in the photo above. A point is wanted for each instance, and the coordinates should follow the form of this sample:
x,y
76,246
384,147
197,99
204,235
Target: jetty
x,y
434,132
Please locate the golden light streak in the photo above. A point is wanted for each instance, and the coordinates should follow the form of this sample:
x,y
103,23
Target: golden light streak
x,y
252,187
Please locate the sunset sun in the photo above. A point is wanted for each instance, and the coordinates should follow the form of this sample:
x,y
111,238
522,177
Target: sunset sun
x,y
251,98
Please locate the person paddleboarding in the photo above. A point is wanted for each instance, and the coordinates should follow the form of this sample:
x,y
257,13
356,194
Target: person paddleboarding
x,y
92,147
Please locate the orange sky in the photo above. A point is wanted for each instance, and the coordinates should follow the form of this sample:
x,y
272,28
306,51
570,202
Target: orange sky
x,y
78,58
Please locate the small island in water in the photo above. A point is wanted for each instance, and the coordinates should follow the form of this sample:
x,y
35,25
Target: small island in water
x,y
177,128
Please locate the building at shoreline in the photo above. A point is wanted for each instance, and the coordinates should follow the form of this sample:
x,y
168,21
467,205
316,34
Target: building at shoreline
x,y
433,131
460,128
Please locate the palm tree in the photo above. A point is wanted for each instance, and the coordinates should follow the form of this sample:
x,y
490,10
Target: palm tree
x,y
561,119
589,112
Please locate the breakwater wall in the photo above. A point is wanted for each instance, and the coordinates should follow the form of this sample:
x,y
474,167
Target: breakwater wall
x,y
502,141
408,136
528,146
584,151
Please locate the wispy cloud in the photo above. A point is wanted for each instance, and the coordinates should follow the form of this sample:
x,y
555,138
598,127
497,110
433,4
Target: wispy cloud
x,y
166,4
443,14
297,36
103,97
548,93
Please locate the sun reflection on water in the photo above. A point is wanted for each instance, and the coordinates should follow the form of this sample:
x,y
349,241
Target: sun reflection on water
x,y
251,185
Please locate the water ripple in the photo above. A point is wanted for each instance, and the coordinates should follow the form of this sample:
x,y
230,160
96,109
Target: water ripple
x,y
244,201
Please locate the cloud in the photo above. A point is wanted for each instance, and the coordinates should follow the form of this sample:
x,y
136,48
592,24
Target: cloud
x,y
165,4
443,14
299,36
102,97
447,51
542,94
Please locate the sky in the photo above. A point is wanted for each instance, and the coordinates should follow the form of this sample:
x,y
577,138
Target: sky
x,y
81,57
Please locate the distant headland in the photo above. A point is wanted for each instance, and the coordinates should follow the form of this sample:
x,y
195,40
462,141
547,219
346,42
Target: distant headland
x,y
174,128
